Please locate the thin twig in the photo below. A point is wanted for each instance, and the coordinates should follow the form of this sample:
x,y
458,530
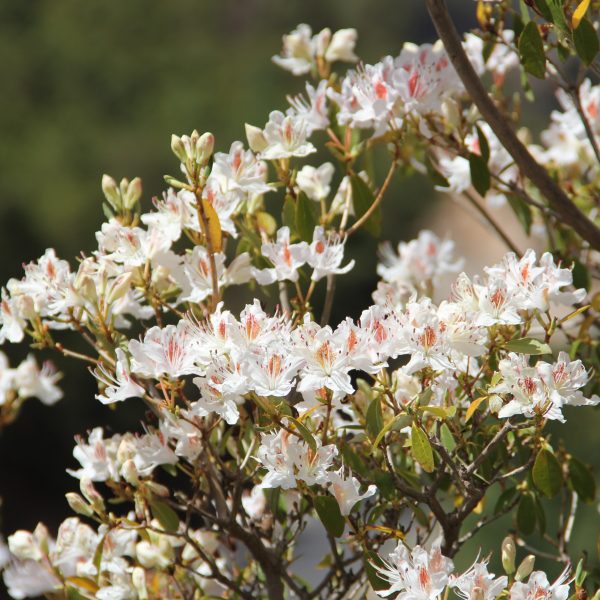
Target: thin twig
x,y
501,126
486,215
365,217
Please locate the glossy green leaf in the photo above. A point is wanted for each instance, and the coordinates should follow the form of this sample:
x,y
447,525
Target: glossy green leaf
x,y
480,174
329,512
165,515
307,217
447,438
522,211
546,473
374,418
526,511
504,500
307,436
484,147
531,49
527,346
421,448
586,43
582,480
288,214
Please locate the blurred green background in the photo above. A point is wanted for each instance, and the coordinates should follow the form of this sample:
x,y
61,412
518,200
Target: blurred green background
x,y
92,87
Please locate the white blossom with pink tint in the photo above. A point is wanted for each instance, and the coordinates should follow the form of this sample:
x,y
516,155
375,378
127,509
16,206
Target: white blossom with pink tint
x,y
164,351
313,108
286,136
540,588
347,490
325,255
416,574
286,258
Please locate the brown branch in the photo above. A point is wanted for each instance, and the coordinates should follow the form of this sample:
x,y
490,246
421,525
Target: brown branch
x,y
378,199
501,126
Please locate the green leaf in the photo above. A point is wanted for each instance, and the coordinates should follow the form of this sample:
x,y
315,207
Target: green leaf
x,y
307,436
526,511
527,346
329,512
523,212
376,581
585,39
504,500
165,515
363,198
540,515
447,438
288,214
421,448
531,49
354,461
544,9
374,418
443,412
484,147
436,177
581,276
582,480
398,420
546,473
556,8
307,217
480,174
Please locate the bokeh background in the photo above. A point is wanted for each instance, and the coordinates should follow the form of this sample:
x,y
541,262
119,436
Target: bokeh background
x,y
98,87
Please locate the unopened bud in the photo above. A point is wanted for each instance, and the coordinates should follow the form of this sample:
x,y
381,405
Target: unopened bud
x,y
204,148
130,473
23,545
91,495
158,489
525,568
451,110
256,138
111,191
42,537
323,39
342,46
495,403
86,287
138,579
79,505
509,552
173,182
178,148
119,287
133,194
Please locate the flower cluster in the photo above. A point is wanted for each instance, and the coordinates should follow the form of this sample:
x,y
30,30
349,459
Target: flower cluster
x,y
264,421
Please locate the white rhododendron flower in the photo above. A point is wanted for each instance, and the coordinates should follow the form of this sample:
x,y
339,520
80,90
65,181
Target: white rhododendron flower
x,y
286,136
315,182
416,574
347,490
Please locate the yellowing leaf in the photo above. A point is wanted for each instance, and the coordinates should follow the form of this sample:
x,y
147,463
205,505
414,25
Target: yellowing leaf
x,y
214,226
473,407
580,13
580,310
395,532
82,582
